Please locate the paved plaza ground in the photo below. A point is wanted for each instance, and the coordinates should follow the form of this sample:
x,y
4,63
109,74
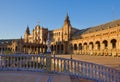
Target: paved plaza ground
x,y
19,76
109,61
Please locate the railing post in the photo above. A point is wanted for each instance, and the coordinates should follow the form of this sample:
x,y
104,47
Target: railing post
x,y
61,65
64,66
27,62
68,66
58,65
37,62
71,66
30,63
78,71
75,67
33,62
54,63
48,62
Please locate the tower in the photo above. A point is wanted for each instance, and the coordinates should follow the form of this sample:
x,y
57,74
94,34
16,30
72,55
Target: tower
x,y
66,29
27,33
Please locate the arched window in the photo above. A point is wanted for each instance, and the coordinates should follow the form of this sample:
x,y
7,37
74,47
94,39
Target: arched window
x,y
16,48
51,47
113,41
85,45
61,46
54,47
105,42
98,45
58,47
75,46
91,44
80,46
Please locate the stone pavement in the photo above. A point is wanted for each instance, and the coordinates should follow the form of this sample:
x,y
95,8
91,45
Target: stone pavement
x,y
109,61
20,76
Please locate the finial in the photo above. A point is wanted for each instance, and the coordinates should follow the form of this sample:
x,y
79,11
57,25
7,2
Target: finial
x,y
27,26
38,22
67,17
67,13
27,30
21,37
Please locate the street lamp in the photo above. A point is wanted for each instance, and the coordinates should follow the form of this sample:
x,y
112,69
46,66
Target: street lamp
x,y
71,48
48,44
21,45
71,56
48,55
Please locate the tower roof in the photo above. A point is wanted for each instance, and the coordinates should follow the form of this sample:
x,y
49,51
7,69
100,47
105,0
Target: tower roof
x,y
27,30
67,20
67,17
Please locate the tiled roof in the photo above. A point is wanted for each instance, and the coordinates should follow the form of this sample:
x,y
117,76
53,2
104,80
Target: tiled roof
x,y
7,41
111,24
103,26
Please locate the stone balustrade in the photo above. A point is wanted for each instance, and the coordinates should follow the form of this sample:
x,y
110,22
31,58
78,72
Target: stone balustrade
x,y
75,68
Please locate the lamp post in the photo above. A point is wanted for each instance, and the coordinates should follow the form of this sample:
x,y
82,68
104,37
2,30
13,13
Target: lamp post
x,y
71,51
48,55
71,56
1,50
21,45
48,44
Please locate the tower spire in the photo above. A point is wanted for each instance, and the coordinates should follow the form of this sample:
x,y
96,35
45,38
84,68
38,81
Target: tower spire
x,y
67,15
67,20
38,22
27,30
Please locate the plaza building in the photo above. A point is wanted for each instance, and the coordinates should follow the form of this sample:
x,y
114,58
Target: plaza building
x,y
103,40
4,45
99,40
10,46
35,42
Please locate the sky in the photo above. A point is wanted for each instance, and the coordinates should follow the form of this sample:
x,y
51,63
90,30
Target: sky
x,y
15,15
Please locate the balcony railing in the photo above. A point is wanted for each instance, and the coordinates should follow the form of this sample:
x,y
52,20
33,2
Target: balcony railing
x,y
45,63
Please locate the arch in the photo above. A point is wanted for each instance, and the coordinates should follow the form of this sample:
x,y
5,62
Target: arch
x,y
80,46
8,49
85,45
105,42
51,47
54,47
16,48
92,46
75,46
58,47
61,46
113,41
98,44
3,49
71,46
